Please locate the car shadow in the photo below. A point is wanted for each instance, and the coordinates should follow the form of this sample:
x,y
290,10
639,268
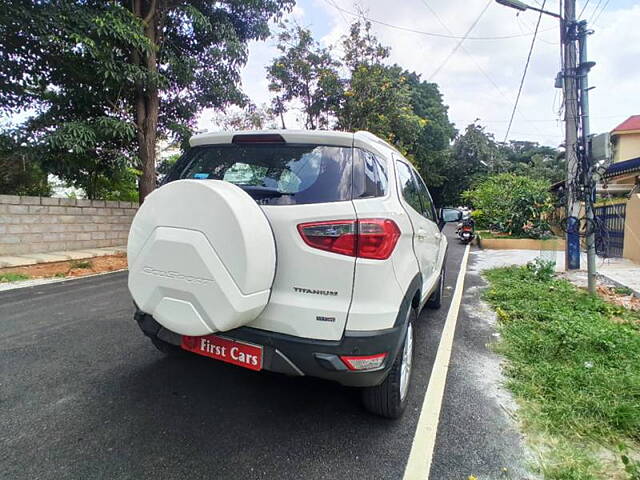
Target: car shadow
x,y
198,416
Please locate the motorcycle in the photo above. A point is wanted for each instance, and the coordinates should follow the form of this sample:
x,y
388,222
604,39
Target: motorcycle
x,y
466,231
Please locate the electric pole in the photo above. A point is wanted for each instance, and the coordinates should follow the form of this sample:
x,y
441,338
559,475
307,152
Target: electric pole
x,y
580,183
585,150
567,41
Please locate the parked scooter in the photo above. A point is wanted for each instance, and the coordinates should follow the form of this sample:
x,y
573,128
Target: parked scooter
x,y
466,230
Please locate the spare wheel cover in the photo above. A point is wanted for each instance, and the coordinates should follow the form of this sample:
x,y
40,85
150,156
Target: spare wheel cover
x,y
201,256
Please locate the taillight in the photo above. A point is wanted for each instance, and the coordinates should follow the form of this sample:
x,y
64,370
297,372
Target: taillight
x,y
364,362
373,238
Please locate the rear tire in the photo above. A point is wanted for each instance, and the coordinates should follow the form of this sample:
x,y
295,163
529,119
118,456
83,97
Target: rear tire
x,y
389,399
435,300
168,349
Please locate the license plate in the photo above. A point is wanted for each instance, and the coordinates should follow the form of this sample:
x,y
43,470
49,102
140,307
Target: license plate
x,y
231,351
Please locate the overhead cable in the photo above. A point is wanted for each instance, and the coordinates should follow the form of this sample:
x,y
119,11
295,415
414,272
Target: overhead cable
x,y
524,73
422,32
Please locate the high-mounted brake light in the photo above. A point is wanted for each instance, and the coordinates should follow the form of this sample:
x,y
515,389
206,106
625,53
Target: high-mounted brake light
x,y
364,362
373,238
257,138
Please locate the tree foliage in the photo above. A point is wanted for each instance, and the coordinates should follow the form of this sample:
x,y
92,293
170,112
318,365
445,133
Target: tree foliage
x,y
251,117
377,97
20,173
306,73
104,79
511,204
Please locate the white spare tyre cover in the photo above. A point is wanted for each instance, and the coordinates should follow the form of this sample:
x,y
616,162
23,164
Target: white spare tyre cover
x,y
201,257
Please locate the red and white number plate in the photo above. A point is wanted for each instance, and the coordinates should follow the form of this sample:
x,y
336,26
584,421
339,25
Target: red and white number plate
x,y
238,353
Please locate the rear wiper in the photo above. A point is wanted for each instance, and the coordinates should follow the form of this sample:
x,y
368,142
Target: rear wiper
x,y
266,191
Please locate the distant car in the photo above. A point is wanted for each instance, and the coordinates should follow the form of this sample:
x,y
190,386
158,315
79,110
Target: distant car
x,y
300,252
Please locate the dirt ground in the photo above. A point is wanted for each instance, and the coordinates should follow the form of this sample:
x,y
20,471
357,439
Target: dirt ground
x,y
624,300
72,268
605,288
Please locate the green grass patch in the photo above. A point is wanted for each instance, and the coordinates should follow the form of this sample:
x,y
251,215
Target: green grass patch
x,y
81,264
12,277
622,290
573,363
491,235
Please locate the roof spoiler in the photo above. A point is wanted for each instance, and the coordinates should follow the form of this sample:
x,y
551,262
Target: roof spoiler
x,y
270,138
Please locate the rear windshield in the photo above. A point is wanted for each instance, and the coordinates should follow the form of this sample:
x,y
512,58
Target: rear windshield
x,y
274,174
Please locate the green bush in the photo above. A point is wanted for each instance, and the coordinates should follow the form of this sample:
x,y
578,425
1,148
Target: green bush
x,y
511,204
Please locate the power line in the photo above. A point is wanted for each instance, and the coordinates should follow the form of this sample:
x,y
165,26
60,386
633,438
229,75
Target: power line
x,y
600,13
473,60
459,44
524,73
340,12
584,7
593,12
422,32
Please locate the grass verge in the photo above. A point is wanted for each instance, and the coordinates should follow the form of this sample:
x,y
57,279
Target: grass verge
x,y
12,277
573,364
503,236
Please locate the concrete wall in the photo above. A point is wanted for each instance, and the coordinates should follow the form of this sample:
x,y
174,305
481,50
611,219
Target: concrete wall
x,y
632,229
42,224
627,146
522,244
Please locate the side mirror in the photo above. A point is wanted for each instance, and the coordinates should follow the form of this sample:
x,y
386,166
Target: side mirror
x,y
450,215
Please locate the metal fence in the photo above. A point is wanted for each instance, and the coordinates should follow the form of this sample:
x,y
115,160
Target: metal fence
x,y
610,230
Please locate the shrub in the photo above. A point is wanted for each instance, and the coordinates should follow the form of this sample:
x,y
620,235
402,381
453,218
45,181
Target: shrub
x,y
512,204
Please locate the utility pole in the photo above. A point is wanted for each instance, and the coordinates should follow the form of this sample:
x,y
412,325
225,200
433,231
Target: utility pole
x,y
567,40
580,183
589,180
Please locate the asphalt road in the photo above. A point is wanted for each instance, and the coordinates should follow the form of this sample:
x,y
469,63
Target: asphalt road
x,y
83,394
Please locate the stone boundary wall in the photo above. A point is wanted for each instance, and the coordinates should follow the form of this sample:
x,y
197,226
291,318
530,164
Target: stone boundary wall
x,y
43,224
632,229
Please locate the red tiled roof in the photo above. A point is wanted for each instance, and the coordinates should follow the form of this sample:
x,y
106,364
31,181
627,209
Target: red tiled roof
x,y
631,123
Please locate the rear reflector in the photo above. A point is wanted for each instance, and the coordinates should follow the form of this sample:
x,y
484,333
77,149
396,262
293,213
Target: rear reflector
x,y
364,362
373,238
257,138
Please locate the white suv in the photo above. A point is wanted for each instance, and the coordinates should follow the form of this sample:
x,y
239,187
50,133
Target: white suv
x,y
300,252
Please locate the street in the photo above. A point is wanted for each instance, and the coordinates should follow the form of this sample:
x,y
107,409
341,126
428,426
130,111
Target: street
x,y
83,394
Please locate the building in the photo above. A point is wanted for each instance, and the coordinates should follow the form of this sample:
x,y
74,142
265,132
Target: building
x,y
624,173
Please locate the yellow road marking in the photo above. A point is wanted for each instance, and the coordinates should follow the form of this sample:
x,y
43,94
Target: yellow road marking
x,y
419,463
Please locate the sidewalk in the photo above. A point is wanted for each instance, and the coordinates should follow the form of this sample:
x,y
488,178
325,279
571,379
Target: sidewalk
x,y
620,271
63,256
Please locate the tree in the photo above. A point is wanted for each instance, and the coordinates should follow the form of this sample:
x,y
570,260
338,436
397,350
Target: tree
x,y
361,47
534,160
20,173
474,154
249,118
107,78
306,73
431,153
511,204
377,96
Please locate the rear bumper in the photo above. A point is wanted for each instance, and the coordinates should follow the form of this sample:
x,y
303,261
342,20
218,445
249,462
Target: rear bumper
x,y
302,356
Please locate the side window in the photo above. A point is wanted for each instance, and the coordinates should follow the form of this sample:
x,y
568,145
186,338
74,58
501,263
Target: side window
x,y
383,177
427,204
408,186
370,177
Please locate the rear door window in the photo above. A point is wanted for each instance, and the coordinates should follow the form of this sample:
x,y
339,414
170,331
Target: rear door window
x,y
274,174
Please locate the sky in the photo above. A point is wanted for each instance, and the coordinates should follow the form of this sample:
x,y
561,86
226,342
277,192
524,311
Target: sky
x,y
480,79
